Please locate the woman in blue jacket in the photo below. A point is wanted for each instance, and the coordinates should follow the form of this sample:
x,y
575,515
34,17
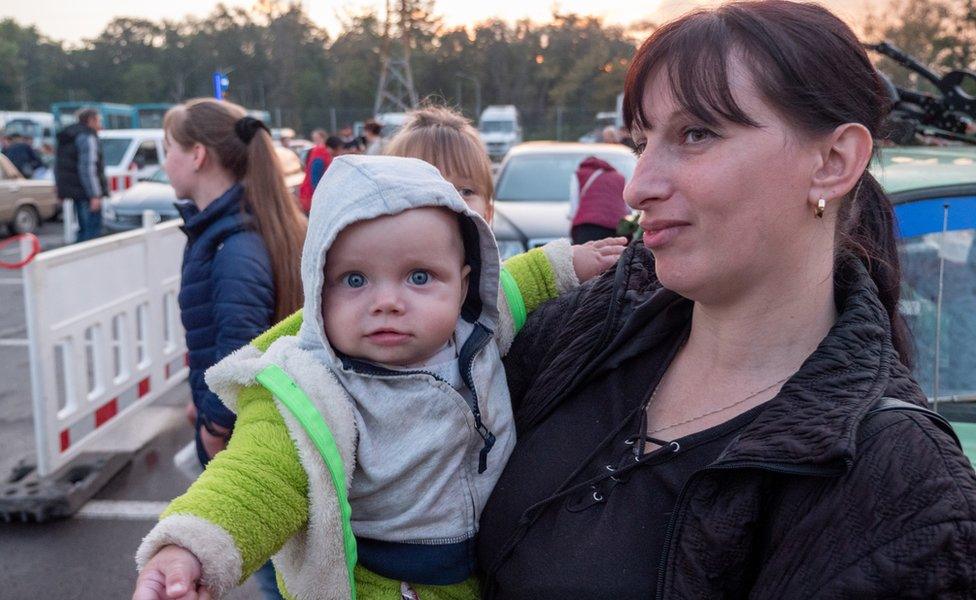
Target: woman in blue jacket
x,y
244,238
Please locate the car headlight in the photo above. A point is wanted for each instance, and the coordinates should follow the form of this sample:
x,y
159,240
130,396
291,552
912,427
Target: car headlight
x,y
509,248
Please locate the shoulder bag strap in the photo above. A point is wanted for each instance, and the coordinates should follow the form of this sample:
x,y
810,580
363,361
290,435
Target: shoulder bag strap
x,y
887,404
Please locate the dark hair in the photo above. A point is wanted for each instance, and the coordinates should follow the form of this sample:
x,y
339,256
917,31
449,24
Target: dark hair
x,y
812,69
85,115
373,127
277,217
333,142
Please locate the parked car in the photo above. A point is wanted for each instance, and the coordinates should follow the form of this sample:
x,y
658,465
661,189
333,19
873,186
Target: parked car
x,y
24,203
921,181
124,211
130,155
533,186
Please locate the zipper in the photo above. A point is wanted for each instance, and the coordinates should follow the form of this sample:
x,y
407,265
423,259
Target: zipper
x,y
487,436
678,513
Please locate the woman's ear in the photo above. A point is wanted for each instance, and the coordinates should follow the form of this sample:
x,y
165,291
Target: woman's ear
x,y
199,156
845,155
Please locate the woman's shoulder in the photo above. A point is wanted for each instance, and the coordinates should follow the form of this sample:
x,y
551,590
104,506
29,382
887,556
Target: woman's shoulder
x,y
907,459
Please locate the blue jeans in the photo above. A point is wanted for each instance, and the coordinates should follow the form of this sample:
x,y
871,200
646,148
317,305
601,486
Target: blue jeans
x,y
265,576
89,221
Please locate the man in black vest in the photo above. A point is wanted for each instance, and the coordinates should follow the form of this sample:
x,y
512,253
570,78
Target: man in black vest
x,y
79,171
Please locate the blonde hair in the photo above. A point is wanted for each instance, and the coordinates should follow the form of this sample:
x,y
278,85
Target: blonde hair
x,y
444,138
276,216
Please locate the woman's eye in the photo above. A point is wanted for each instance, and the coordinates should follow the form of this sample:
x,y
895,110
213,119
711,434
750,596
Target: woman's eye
x,y
355,280
419,277
696,135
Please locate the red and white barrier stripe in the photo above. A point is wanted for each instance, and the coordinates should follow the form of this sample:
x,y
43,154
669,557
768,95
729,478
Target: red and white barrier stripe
x,y
175,366
104,414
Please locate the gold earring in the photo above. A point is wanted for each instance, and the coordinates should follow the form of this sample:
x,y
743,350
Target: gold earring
x,y
821,205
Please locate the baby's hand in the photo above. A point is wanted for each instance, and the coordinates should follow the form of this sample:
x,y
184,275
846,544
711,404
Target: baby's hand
x,y
592,258
172,574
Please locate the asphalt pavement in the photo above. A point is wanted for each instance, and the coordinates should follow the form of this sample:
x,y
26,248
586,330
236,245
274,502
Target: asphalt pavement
x,y
90,555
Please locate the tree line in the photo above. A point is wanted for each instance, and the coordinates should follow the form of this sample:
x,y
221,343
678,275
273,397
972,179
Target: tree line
x,y
558,73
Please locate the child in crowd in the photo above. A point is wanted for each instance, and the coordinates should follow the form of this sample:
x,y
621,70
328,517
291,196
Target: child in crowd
x,y
390,397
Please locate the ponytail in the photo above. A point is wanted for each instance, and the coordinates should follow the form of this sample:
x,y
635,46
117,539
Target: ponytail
x,y
243,147
867,230
277,220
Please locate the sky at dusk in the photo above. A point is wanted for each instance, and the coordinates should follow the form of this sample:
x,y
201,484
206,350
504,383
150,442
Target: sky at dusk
x,y
75,20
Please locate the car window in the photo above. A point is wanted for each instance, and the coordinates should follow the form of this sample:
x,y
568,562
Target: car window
x,y
920,253
497,126
118,121
113,150
147,155
546,177
159,176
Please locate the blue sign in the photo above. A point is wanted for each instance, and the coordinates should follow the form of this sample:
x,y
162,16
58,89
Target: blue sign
x,y
220,85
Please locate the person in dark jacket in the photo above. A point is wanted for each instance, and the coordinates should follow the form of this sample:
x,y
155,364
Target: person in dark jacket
x,y
23,156
731,413
597,201
79,171
241,263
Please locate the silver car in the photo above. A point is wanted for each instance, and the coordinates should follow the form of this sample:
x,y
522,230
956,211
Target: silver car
x,y
533,186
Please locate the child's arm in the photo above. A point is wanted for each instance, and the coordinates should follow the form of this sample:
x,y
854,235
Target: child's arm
x,y
243,508
544,273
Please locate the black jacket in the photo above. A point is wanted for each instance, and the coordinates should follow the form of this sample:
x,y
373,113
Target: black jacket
x,y
67,170
810,500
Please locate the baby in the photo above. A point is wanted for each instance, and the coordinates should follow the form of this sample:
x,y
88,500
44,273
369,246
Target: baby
x,y
390,399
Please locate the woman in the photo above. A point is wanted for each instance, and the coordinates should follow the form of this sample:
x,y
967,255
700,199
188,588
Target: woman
x,y
244,237
695,425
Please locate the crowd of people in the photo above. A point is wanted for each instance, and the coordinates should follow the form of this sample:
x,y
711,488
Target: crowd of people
x,y
721,407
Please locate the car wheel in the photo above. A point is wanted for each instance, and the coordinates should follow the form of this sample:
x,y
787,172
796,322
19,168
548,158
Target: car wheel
x,y
26,220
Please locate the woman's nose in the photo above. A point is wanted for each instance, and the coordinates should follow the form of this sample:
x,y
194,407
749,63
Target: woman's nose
x,y
651,181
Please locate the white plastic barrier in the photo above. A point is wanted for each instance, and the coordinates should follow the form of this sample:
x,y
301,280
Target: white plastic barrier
x,y
105,335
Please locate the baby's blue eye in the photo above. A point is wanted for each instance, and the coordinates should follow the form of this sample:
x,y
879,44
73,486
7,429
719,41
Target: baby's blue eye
x,y
355,280
419,277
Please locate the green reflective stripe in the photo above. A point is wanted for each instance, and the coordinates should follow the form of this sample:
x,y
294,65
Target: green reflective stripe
x,y
285,389
514,297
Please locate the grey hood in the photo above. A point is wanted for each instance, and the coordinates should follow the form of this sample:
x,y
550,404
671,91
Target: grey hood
x,y
358,188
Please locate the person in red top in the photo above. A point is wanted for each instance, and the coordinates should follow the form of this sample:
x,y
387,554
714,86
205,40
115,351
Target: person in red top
x,y
596,201
318,160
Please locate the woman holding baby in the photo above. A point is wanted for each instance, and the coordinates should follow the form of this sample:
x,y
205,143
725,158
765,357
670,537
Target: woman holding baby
x,y
703,422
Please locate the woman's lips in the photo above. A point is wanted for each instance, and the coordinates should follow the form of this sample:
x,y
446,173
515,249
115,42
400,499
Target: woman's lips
x,y
660,233
388,337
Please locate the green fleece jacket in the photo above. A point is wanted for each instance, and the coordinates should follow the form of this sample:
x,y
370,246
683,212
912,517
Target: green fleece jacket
x,y
255,498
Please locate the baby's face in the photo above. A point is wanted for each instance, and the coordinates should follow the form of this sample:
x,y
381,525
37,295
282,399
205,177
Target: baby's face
x,y
394,286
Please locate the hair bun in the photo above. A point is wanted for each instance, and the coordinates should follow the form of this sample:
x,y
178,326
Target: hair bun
x,y
247,127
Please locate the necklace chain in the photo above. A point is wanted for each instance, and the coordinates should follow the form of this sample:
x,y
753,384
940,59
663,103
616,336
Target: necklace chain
x,y
712,412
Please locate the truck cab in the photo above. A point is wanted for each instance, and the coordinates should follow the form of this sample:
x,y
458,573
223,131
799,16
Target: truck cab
x,y
500,129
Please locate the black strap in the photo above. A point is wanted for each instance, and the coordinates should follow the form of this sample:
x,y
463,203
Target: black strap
x,y
893,404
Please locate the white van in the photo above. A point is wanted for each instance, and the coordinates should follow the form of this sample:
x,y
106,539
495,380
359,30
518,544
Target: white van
x,y
130,155
500,129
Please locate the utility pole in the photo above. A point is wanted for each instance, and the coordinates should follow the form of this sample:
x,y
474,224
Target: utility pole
x,y
396,92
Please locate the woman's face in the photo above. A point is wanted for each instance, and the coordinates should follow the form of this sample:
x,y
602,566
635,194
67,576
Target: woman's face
x,y
722,207
180,166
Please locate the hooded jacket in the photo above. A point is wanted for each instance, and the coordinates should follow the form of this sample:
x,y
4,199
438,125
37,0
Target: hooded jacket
x,y
602,201
421,458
